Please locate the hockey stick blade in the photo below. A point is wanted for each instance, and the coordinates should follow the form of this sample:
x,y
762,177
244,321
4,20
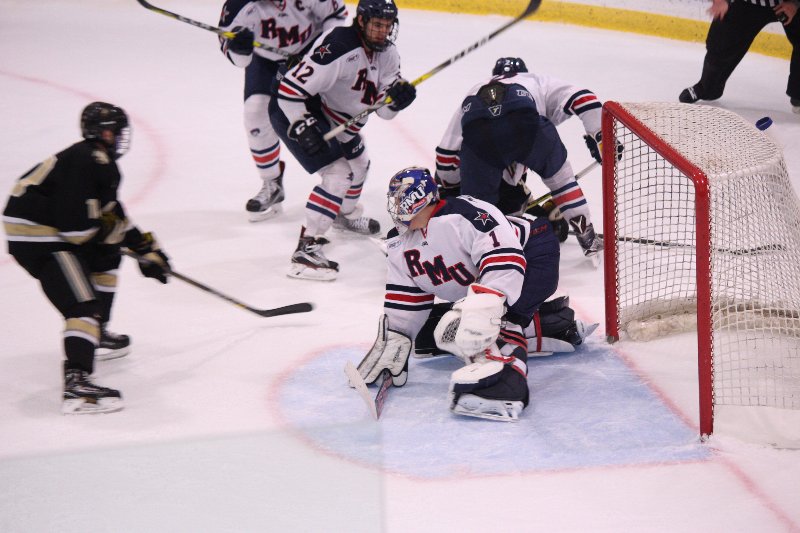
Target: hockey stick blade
x,y
532,7
374,405
303,307
218,31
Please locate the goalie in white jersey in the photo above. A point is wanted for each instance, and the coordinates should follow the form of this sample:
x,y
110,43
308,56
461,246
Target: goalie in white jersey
x,y
291,28
497,269
349,69
508,123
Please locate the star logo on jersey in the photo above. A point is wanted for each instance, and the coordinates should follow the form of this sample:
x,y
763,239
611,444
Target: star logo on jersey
x,y
484,218
323,50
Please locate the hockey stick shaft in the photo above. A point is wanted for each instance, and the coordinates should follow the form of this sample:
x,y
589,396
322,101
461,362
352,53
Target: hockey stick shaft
x,y
579,175
304,307
532,7
218,31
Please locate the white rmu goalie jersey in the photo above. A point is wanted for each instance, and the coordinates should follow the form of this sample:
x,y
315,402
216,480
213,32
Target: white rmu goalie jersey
x,y
286,24
466,241
555,99
347,78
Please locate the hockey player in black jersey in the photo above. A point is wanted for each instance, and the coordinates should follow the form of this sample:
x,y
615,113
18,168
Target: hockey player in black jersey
x,y
349,69
65,226
498,270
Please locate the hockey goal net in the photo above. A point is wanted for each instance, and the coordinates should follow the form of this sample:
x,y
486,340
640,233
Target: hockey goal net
x,y
702,232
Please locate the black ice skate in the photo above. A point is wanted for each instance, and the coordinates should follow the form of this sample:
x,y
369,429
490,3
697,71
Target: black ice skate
x,y
356,223
112,345
308,261
81,396
689,95
267,203
591,243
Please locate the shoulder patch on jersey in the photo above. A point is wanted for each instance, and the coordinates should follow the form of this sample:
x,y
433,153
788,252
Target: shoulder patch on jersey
x,y
100,156
230,10
338,42
392,233
479,218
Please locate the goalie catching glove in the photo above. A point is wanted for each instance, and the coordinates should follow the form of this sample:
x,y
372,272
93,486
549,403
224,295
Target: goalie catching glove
x,y
153,263
390,351
473,324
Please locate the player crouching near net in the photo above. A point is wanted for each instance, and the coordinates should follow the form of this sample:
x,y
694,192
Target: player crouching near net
x,y
498,270
65,227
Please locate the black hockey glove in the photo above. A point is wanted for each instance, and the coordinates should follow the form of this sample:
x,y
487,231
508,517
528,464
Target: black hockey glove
x,y
550,210
242,43
153,263
402,94
308,135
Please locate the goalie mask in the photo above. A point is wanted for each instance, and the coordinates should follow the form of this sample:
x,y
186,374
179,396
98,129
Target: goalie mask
x,y
378,25
509,66
410,191
98,117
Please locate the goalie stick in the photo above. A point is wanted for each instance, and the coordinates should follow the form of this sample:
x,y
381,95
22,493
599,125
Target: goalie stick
x,y
218,31
374,405
531,9
304,307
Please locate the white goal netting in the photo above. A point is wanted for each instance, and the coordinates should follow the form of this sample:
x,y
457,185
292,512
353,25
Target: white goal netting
x,y
741,255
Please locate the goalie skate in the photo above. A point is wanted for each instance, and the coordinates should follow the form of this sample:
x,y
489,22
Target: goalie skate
x,y
475,406
267,203
81,396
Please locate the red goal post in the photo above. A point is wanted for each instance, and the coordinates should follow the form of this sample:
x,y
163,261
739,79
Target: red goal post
x,y
702,231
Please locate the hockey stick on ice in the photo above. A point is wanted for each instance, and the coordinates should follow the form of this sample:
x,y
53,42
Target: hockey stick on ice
x,y
532,7
218,31
374,405
304,307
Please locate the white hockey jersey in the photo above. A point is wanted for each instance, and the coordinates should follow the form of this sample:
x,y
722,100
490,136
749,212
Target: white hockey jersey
x,y
466,241
345,75
289,25
555,99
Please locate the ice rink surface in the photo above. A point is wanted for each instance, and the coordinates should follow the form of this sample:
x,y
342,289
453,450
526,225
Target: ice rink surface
x,y
234,422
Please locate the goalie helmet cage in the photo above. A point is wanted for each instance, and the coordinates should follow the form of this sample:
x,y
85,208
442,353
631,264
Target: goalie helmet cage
x,y
701,231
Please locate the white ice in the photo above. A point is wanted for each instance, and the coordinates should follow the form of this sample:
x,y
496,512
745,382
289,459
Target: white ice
x,y
239,423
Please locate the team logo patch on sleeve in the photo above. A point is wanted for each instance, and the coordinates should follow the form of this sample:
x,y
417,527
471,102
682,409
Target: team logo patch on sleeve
x,y
323,50
484,218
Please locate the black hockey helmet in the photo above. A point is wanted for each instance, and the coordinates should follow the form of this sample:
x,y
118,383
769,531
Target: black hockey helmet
x,y
509,65
381,9
100,116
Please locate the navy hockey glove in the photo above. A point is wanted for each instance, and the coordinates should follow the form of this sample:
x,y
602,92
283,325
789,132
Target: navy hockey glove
x,y
402,94
242,43
153,263
446,190
550,210
308,135
595,146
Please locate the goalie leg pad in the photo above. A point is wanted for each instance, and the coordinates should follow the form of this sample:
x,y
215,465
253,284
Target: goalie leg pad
x,y
390,351
489,389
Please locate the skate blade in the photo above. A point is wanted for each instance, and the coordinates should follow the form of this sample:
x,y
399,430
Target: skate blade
x,y
488,410
270,212
106,354
298,271
81,406
595,259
